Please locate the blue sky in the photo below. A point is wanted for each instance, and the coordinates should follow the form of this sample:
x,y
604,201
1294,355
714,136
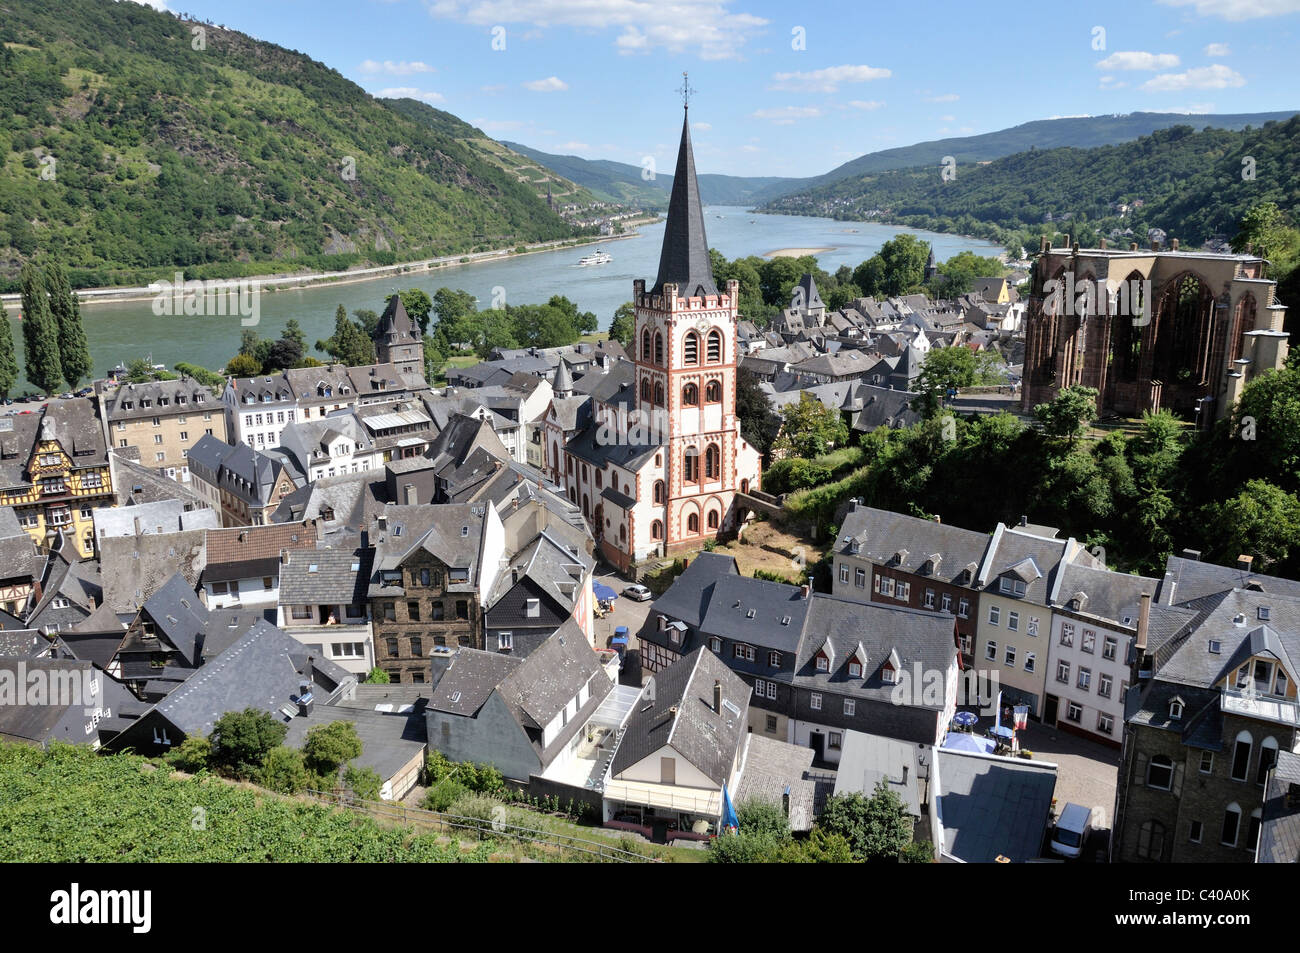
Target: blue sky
x,y
786,88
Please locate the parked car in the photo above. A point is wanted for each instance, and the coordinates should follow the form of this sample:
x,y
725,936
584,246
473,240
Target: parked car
x,y
638,592
1072,830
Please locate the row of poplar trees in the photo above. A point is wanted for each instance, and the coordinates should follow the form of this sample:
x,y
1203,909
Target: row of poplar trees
x,y
54,341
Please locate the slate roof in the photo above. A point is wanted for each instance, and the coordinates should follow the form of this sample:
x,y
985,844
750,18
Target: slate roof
x,y
867,760
39,724
180,617
708,739
555,569
354,499
388,741
450,531
136,484
470,679
161,516
881,535
779,611
23,643
684,257
198,398
73,423
1186,580
991,806
688,597
550,677
592,444
262,669
325,576
773,768
395,325
132,568
1032,558
19,558
917,637
1279,834
1109,595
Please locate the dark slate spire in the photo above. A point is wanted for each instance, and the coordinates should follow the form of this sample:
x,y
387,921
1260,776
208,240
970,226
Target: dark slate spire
x,y
395,324
684,259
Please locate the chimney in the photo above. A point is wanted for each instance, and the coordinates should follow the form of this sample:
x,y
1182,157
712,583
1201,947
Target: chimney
x,y
1244,562
137,526
1103,244
1132,246
717,696
1155,244
200,638
284,557
1192,554
803,592
1144,620
1024,520
439,659
410,496
1173,244
1044,243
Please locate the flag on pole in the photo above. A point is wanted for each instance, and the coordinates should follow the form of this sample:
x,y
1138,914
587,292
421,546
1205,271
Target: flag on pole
x,y
998,723
1021,713
730,822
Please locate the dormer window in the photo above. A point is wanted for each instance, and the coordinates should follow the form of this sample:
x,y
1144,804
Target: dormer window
x,y
887,675
1176,709
855,670
823,665
1011,586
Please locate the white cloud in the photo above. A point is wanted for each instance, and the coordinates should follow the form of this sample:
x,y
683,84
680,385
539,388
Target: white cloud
x,y
705,27
1217,49
1137,59
701,126
947,118
827,80
750,149
552,84
499,125
410,92
1238,9
494,88
398,68
868,104
1217,76
785,115
156,4
574,146
1110,82
1073,116
945,98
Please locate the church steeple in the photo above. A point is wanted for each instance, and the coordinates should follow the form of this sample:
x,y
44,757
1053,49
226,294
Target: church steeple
x,y
684,259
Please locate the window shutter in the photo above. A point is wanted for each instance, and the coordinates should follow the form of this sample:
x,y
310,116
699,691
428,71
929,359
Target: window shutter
x,y
1140,775
1178,779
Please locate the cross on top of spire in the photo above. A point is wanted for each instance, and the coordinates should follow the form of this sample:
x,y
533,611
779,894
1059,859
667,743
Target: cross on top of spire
x,y
686,92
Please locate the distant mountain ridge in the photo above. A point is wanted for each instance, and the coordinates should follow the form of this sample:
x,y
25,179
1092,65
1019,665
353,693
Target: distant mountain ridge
x,y
621,181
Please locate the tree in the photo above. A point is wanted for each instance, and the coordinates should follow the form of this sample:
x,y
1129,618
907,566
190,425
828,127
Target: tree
x,y
365,783
759,423
283,770
248,342
193,755
201,374
1264,227
897,269
1261,521
8,359
1068,414
623,326
40,333
241,739
377,676
820,847
242,365
350,344
74,352
293,332
950,367
458,320
419,306
958,273
282,354
877,827
809,428
330,746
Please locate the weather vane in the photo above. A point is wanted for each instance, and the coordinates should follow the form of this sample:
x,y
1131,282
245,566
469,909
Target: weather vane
x,y
686,92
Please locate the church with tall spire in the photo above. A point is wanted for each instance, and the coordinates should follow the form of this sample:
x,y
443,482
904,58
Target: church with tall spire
x,y
655,458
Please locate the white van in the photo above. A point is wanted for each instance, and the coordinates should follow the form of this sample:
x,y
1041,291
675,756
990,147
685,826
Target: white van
x,y
1072,830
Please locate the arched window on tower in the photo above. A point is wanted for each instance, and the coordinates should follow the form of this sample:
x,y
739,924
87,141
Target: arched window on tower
x,y
712,519
712,462
657,530
715,346
659,491
659,348
645,389
691,395
691,465
645,344
659,393
691,349
693,524
713,392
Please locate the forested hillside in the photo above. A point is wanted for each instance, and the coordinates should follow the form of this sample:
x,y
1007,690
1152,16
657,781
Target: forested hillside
x,y
132,145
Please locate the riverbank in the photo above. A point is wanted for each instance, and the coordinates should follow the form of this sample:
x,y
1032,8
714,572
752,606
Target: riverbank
x,y
314,279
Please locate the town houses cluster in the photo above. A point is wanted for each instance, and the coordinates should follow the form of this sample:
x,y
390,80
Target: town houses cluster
x,y
184,552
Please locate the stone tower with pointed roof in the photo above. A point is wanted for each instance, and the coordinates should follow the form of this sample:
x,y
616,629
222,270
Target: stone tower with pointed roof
x,y
397,339
686,355
931,266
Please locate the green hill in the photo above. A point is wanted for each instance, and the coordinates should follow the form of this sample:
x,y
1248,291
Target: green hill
x,y
622,182
1078,132
132,152
1189,184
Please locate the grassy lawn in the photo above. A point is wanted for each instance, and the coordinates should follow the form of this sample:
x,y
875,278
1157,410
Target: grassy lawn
x,y
764,545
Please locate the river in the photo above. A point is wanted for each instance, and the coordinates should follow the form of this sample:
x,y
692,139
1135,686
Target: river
x,y
123,330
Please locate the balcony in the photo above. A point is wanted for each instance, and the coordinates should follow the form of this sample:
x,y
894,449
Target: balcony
x,y
1253,704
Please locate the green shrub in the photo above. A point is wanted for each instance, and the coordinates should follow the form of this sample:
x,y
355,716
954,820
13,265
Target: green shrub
x,y
193,755
283,771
